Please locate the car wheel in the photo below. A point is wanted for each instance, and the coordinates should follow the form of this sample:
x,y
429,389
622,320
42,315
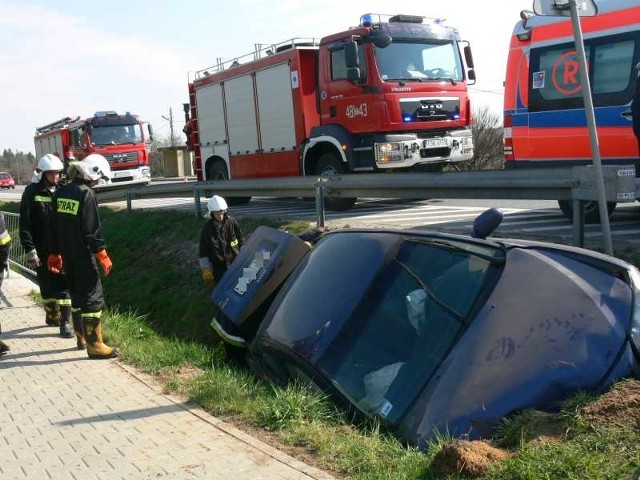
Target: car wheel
x,y
329,164
591,210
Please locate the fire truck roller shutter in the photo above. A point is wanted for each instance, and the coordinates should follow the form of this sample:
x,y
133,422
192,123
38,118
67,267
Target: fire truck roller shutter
x,y
216,169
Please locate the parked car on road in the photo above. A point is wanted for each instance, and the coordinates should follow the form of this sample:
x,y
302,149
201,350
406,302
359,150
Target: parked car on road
x,y
6,180
434,332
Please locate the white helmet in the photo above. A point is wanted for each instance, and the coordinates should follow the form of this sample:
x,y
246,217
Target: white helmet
x,y
50,163
216,204
94,167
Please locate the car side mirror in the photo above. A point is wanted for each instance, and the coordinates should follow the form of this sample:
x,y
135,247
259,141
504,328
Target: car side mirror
x,y
486,223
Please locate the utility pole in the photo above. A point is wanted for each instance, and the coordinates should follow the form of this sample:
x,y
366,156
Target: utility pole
x,y
170,120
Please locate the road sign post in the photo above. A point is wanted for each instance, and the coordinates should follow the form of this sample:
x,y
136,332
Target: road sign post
x,y
575,9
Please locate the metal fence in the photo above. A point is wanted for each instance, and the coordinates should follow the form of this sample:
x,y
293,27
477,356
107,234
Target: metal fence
x,y
17,254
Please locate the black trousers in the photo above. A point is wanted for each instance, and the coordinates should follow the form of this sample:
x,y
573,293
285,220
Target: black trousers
x,y
51,285
84,283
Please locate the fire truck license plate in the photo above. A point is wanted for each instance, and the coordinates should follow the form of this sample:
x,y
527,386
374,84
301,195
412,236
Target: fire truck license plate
x,y
435,143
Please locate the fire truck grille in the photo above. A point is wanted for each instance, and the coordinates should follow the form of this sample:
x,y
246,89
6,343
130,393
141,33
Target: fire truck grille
x,y
121,157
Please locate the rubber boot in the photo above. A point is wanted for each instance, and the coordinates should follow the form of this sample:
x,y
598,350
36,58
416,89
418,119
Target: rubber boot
x,y
76,316
4,348
66,331
52,313
95,347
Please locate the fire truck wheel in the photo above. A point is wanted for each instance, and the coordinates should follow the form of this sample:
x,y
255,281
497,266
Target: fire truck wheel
x,y
218,171
591,210
329,164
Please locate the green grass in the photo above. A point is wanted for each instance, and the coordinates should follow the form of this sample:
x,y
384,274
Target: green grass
x,y
159,311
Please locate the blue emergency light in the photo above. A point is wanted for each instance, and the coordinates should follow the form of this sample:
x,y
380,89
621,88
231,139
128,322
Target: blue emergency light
x,y
366,20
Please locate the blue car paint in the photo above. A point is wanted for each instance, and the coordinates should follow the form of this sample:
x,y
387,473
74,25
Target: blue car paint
x,y
552,326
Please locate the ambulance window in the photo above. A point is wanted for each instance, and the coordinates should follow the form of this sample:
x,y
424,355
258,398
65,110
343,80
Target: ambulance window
x,y
555,84
613,65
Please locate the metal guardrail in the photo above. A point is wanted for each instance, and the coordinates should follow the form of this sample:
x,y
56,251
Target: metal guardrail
x,y
576,184
17,254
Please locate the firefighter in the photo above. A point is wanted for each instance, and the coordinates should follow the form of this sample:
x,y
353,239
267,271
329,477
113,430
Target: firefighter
x,y
5,245
81,248
220,241
36,236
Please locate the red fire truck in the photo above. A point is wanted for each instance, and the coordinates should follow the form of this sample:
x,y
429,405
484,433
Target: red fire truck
x,y
388,95
121,139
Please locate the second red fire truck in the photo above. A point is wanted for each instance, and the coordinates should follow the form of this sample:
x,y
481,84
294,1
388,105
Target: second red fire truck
x,y
388,95
121,139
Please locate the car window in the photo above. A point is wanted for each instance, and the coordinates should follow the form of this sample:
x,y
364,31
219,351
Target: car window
x,y
405,325
379,330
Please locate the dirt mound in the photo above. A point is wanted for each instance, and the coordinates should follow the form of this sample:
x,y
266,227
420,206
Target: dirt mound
x,y
619,407
471,459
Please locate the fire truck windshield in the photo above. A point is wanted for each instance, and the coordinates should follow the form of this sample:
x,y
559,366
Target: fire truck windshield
x,y
115,134
411,61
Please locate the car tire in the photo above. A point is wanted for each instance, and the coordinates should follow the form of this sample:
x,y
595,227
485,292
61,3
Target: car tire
x,y
591,210
329,164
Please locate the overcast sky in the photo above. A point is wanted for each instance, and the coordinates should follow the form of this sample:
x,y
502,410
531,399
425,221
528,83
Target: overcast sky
x,y
63,58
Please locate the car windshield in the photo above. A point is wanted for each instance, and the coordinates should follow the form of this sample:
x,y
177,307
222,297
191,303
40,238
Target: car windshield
x,y
429,60
5,175
115,134
378,328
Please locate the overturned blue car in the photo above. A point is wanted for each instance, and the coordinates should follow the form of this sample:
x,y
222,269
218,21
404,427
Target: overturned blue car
x,y
432,332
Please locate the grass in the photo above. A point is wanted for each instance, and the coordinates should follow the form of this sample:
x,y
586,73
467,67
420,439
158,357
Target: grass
x,y
158,313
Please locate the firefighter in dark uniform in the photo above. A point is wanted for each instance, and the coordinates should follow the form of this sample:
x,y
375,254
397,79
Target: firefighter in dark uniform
x,y
37,238
5,245
220,241
81,248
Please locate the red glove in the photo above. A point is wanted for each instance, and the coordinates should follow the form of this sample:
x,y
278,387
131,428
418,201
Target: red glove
x,y
54,263
104,261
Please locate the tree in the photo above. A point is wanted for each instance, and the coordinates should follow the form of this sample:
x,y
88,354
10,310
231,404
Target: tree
x,y
20,165
487,141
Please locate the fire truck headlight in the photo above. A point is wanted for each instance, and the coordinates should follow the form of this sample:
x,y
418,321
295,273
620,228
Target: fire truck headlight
x,y
389,152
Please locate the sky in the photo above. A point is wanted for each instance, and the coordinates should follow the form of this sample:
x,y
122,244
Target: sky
x,y
68,58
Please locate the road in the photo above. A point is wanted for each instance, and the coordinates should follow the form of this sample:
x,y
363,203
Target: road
x,y
523,219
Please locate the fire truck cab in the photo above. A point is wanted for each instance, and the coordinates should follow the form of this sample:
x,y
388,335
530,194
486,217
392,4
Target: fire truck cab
x,y
388,95
121,139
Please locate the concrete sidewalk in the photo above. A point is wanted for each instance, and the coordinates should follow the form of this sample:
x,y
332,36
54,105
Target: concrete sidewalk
x,y
63,416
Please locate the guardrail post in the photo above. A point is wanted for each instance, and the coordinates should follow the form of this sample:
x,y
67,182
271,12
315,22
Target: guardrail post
x,y
320,201
130,196
196,201
578,222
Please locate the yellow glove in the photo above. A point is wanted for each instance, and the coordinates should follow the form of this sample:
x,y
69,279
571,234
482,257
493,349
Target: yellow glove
x,y
207,276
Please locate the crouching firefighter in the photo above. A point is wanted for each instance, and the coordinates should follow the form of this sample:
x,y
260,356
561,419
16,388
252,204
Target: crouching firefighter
x,y
37,238
80,248
220,240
